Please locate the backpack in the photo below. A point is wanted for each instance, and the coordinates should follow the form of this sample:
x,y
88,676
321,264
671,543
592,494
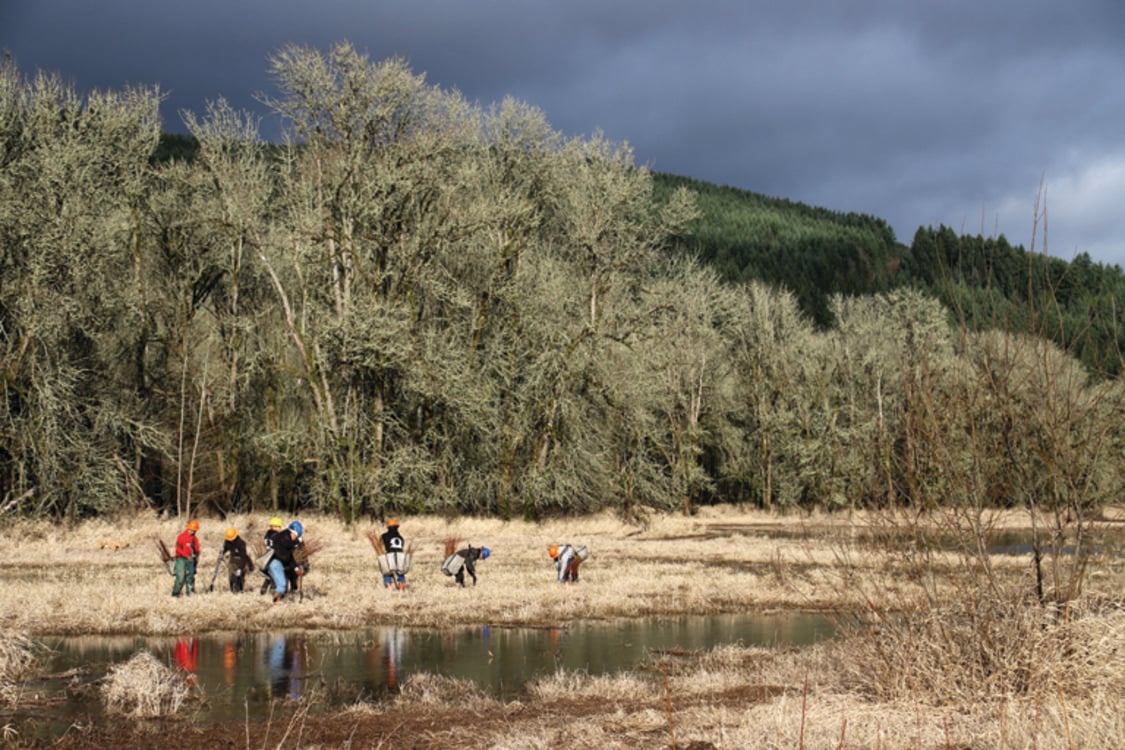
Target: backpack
x,y
452,564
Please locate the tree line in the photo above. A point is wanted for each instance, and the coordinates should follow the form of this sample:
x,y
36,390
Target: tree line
x,y
986,282
418,304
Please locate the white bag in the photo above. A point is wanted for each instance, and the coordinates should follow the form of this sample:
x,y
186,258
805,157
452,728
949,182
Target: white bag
x,y
452,564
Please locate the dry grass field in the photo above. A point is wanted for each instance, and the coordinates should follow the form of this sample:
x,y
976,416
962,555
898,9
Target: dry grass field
x,y
106,576
971,670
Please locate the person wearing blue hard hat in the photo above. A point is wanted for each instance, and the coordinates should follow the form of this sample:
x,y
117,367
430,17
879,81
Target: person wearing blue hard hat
x,y
300,560
464,561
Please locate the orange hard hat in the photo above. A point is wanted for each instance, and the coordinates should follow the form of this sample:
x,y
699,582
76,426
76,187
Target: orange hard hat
x,y
193,525
392,522
232,534
553,550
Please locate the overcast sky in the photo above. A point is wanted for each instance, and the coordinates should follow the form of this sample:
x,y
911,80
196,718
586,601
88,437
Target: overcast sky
x,y
955,112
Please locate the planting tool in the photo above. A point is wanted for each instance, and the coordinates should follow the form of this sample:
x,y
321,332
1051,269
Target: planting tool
x,y
216,573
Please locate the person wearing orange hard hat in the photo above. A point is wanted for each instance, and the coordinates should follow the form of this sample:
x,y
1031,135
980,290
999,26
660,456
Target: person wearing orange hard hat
x,y
394,547
567,558
239,563
187,552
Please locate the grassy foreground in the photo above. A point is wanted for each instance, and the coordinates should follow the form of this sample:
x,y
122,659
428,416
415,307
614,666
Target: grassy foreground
x,y
943,679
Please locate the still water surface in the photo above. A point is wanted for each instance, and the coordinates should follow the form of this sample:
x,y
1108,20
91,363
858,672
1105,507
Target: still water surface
x,y
243,674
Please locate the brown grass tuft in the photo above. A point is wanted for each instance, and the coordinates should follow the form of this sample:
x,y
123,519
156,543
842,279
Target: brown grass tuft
x,y
435,689
17,660
144,688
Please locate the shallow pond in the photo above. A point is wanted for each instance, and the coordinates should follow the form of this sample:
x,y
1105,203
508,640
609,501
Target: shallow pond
x,y
242,674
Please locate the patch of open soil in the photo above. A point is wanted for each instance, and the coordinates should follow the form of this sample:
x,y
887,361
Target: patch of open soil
x,y
398,726
420,727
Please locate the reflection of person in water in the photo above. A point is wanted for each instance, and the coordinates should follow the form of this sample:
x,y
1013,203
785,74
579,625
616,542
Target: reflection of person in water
x,y
230,662
284,669
392,657
186,654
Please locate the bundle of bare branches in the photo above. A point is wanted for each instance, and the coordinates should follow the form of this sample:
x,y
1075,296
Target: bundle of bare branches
x,y
165,556
303,553
376,541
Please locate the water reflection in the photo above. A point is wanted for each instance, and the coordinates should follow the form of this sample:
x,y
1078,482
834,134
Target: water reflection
x,y
240,673
392,643
230,661
283,662
186,655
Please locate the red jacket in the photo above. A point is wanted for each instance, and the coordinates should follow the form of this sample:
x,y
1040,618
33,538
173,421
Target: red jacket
x,y
187,544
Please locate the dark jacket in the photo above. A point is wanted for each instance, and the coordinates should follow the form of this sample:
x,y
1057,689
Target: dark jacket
x,y
393,541
283,545
470,555
236,548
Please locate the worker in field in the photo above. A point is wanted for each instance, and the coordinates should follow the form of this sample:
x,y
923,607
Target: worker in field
x,y
187,553
275,526
300,560
238,564
567,558
464,561
282,543
394,548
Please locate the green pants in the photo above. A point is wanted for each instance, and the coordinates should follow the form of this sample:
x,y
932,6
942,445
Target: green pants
x,y
185,576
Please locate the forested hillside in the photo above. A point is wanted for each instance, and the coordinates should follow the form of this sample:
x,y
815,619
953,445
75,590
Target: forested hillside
x,y
985,282
428,306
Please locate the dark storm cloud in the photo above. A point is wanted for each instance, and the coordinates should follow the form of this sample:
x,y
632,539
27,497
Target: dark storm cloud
x,y
953,113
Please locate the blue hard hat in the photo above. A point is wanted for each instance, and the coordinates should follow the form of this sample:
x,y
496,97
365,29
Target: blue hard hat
x,y
484,553
297,527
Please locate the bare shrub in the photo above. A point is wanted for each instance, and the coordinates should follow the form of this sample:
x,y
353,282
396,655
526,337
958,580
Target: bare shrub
x,y
982,637
143,687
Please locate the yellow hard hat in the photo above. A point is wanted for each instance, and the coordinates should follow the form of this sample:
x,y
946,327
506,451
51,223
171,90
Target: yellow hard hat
x,y
275,523
392,522
193,525
553,550
232,534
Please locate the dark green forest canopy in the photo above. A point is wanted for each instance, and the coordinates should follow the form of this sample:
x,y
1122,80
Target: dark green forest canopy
x,y
985,282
